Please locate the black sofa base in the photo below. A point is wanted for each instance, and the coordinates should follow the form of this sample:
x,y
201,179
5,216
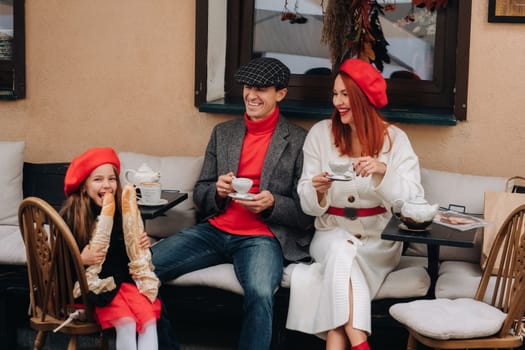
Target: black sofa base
x,y
14,303
210,316
199,315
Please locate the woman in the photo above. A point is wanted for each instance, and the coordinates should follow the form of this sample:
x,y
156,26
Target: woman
x,y
91,183
331,297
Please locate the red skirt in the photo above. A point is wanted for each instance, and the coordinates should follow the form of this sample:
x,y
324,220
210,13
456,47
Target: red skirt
x,y
130,303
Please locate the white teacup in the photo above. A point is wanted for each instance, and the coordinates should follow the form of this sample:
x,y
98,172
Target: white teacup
x,y
339,166
149,192
242,184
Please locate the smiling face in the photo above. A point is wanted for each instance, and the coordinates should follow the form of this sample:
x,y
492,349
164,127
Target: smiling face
x,y
341,101
101,180
261,102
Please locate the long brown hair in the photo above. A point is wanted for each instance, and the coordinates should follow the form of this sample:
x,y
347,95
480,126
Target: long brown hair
x,y
370,126
78,213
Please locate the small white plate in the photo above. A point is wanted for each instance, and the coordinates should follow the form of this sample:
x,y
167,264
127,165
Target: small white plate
x,y
340,177
246,197
161,202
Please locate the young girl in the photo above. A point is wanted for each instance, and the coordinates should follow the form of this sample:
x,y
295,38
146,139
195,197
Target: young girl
x,y
89,177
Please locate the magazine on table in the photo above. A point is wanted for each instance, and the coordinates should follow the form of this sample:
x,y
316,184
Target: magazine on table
x,y
458,221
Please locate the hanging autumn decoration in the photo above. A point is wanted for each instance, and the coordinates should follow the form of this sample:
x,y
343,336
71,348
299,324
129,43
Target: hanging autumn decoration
x,y
430,5
352,29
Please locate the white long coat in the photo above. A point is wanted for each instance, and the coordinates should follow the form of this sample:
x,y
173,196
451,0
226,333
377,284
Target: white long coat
x,y
319,299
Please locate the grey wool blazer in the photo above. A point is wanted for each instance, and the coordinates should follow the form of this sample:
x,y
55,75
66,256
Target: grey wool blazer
x,y
280,174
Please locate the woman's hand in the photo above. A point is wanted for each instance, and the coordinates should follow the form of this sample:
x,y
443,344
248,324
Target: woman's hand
x,y
224,185
366,166
321,184
91,256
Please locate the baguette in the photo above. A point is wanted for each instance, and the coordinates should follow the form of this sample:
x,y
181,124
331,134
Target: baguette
x,y
100,239
140,265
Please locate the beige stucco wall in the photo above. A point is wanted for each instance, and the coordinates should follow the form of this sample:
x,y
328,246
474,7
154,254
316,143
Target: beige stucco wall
x,y
120,73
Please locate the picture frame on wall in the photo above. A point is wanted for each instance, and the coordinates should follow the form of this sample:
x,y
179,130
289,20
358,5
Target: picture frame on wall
x,y
507,11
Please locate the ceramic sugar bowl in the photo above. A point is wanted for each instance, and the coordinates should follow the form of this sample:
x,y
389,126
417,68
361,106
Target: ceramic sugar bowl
x,y
143,174
416,214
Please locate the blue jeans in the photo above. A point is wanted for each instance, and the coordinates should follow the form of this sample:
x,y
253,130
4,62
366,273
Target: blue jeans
x,y
258,264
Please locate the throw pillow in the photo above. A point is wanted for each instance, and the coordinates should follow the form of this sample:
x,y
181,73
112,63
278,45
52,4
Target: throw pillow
x,y
12,165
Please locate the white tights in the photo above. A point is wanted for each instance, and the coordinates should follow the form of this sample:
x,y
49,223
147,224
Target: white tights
x,y
127,337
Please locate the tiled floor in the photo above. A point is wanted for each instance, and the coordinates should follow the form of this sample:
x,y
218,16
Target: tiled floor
x,y
294,341
216,339
57,342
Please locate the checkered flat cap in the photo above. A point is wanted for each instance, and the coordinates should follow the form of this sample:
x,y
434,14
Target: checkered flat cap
x,y
264,72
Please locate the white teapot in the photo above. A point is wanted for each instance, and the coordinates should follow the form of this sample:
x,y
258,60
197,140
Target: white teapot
x,y
143,174
416,214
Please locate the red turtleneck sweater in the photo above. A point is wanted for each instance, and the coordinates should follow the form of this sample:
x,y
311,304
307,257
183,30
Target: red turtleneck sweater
x,y
236,219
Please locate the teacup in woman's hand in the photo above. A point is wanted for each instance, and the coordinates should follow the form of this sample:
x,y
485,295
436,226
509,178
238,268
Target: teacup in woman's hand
x,y
339,166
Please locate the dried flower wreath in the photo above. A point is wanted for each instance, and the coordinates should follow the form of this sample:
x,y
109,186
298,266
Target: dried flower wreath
x,y
352,28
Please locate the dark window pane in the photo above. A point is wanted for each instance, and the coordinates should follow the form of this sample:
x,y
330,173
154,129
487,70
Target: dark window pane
x,y
429,52
12,49
6,29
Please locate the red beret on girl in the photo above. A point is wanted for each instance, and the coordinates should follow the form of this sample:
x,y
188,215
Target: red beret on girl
x,y
83,165
368,79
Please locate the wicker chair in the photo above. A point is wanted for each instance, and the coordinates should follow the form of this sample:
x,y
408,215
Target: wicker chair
x,y
53,265
493,319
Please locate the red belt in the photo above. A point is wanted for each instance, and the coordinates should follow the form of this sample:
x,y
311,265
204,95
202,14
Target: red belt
x,y
354,213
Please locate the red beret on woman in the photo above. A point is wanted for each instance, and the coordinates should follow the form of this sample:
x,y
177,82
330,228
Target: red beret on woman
x,y
368,79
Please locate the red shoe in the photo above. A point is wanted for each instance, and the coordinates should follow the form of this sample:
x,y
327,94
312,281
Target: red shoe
x,y
363,346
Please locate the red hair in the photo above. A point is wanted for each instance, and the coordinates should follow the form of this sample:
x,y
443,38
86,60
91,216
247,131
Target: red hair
x,y
370,126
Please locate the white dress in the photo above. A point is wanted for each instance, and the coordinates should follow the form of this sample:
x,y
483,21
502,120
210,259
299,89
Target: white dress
x,y
346,250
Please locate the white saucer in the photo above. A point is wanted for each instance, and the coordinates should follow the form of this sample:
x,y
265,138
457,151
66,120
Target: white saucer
x,y
162,201
339,177
405,228
246,197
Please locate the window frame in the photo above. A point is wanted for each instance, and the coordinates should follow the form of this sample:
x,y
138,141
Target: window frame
x,y
16,66
444,96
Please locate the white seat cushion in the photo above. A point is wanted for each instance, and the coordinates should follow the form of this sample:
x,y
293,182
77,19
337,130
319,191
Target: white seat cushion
x,y
12,161
12,248
410,279
457,279
460,279
219,276
449,319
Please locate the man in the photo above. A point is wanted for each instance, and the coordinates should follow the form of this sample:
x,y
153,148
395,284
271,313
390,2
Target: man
x,y
258,234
